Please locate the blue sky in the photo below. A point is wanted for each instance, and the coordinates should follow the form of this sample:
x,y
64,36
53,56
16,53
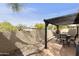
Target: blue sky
x,y
31,13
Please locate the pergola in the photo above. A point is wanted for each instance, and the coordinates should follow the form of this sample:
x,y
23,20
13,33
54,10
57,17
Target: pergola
x,y
62,20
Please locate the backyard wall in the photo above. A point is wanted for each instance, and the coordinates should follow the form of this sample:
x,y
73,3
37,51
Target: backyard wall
x,y
24,42
11,41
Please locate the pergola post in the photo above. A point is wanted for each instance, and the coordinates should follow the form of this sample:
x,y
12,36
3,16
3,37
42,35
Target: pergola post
x,y
77,30
57,31
46,24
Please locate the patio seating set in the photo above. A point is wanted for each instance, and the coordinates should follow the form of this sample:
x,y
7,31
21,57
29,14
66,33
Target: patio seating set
x,y
64,38
67,40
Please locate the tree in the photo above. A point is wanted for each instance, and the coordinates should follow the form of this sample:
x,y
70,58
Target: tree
x,y
7,26
63,26
50,27
16,7
21,27
40,26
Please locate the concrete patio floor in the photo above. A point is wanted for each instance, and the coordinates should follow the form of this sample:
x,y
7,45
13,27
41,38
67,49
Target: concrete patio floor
x,y
56,49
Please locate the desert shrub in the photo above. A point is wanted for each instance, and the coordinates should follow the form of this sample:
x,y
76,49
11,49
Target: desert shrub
x,y
6,26
21,27
63,26
40,26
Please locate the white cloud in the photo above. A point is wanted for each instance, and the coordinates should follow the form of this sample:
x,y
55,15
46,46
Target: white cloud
x,y
28,15
65,12
29,10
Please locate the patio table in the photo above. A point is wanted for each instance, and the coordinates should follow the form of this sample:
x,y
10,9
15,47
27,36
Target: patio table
x,y
68,37
65,38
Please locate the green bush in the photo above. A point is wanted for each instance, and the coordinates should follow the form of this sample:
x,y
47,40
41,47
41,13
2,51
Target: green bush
x,y
40,26
63,26
6,26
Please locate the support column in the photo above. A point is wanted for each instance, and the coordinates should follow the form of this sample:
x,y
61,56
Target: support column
x,y
57,31
46,24
77,30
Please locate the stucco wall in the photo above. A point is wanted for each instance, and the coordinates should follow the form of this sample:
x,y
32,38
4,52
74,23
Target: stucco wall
x,y
28,41
10,41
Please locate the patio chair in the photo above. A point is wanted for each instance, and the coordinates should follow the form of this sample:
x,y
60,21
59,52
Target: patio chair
x,y
77,49
73,37
57,36
62,38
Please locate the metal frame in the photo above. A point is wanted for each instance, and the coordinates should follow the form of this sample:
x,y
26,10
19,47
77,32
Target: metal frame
x,y
52,21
